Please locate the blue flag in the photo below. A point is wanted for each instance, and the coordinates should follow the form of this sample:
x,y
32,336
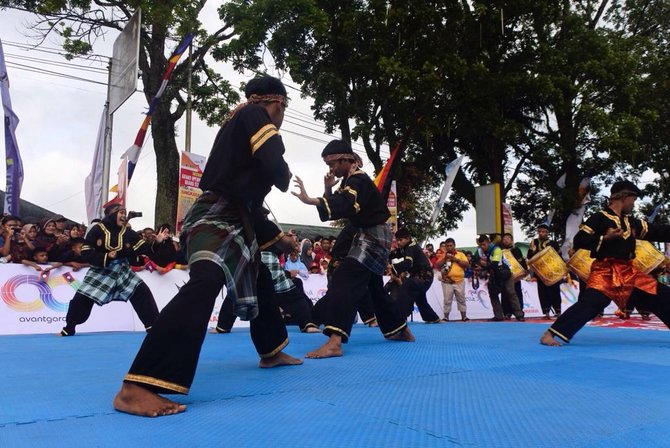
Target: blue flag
x,y
12,156
654,213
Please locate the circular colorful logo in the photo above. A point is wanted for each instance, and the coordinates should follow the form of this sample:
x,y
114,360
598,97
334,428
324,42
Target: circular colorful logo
x,y
44,289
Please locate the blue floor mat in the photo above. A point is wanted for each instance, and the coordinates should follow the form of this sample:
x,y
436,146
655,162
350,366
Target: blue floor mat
x,y
472,384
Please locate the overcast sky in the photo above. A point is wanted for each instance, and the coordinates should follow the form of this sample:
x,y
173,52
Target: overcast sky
x,y
59,121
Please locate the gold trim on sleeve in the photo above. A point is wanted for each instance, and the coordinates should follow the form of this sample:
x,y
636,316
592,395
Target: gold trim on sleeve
x,y
272,241
156,382
587,229
600,243
325,203
645,228
260,137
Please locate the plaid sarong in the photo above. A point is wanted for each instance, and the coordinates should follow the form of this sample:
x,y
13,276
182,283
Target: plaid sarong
x,y
280,281
371,247
114,282
219,231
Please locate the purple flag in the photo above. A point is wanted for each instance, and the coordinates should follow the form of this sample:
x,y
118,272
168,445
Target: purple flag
x,y
13,158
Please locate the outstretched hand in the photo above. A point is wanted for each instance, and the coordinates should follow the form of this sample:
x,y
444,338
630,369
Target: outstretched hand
x,y
302,193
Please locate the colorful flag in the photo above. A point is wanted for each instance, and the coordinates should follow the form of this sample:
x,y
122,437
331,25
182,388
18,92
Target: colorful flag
x,y
450,171
12,156
385,176
95,197
133,153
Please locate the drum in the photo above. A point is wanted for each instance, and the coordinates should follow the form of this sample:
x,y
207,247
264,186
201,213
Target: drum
x,y
518,272
549,266
647,257
580,263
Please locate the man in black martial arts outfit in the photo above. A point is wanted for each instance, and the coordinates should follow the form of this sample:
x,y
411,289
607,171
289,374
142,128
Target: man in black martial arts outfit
x,y
411,264
610,235
290,295
367,242
108,246
246,161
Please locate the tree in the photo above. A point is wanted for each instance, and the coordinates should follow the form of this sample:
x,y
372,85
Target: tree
x,y
81,22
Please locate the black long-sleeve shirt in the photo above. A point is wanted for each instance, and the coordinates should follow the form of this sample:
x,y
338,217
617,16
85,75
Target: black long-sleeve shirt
x,y
104,238
247,159
357,199
591,235
410,259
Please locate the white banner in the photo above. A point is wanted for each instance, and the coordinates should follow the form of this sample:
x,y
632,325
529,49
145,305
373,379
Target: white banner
x,y
31,305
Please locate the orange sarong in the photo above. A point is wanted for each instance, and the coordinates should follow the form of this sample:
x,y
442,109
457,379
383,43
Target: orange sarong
x,y
617,279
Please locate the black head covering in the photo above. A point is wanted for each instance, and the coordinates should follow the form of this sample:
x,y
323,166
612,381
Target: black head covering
x,y
264,85
623,186
402,233
337,147
542,226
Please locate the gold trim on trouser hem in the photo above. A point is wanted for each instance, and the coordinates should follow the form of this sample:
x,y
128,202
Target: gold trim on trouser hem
x,y
64,333
148,328
559,335
397,330
275,351
369,320
336,330
156,382
309,325
222,330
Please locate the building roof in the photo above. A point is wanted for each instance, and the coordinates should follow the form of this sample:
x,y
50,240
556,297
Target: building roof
x,y
310,232
31,213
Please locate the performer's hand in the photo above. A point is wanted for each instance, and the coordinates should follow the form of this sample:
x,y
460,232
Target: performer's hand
x,y
302,193
112,254
613,234
162,235
329,180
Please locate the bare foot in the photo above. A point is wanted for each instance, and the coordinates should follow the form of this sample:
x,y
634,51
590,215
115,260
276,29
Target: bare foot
x,y
404,335
280,359
312,330
331,349
215,331
136,400
373,323
548,339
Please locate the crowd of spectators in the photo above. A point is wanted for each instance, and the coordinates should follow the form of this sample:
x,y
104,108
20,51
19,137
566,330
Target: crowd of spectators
x,y
55,242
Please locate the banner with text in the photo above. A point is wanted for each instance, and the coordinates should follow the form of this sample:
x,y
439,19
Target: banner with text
x,y
190,172
30,304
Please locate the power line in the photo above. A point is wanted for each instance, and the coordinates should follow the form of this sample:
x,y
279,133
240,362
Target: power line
x,y
69,65
51,73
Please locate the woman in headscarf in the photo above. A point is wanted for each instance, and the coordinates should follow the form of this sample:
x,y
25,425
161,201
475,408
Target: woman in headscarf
x,y
306,252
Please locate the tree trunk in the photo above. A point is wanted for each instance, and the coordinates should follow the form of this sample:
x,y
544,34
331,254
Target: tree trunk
x,y
167,165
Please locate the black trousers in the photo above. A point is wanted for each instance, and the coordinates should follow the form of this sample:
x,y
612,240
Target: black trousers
x,y
505,289
413,290
508,310
591,302
351,283
550,297
80,307
169,355
295,303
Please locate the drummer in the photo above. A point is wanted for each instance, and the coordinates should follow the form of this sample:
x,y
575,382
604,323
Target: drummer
x,y
508,244
610,235
550,296
500,279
